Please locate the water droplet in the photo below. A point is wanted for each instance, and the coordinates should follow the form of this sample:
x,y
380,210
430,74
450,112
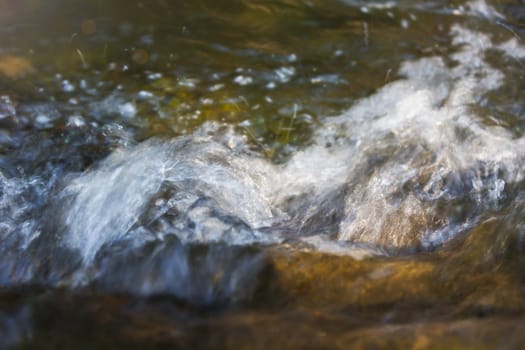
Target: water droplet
x,y
243,80
284,74
188,82
143,94
76,121
43,120
67,86
216,87
327,79
154,76
127,110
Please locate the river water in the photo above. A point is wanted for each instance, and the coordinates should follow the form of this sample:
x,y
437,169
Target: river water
x,y
262,174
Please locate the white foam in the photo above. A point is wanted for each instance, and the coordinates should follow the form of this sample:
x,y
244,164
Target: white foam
x,y
108,201
15,210
430,113
482,9
512,48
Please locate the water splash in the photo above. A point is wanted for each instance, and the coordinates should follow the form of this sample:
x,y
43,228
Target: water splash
x,y
409,167
422,146
376,174
106,202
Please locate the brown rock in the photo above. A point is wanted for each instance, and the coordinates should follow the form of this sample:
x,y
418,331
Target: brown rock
x,y
15,67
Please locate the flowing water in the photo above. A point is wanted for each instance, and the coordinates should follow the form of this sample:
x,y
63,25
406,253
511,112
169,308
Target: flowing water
x,y
262,174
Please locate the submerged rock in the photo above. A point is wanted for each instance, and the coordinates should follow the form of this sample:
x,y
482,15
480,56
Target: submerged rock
x,y
15,67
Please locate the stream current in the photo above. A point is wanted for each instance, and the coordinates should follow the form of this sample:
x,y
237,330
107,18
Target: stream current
x,y
90,201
